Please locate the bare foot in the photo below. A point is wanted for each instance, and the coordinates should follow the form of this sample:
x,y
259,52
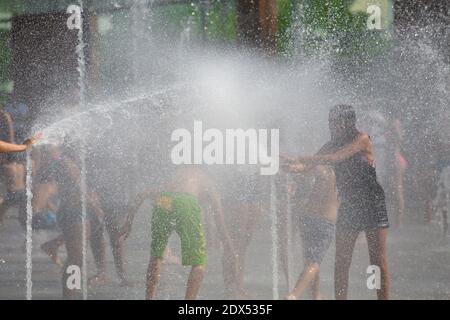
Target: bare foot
x,y
98,280
290,296
52,252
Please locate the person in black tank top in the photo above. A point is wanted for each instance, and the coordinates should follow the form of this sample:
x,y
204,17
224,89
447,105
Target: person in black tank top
x,y
362,200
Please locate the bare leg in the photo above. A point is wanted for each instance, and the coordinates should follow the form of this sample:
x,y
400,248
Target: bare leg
x,y
315,288
51,248
98,248
241,233
376,240
117,246
246,234
305,280
8,171
194,281
153,275
345,243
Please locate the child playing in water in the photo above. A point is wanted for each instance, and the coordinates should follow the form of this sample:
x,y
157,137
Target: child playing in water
x,y
43,208
317,227
70,218
44,200
177,209
112,224
362,204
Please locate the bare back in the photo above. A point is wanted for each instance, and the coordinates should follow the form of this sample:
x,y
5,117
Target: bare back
x,y
191,180
323,199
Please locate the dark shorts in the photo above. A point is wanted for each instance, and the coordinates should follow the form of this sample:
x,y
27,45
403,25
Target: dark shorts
x,y
316,234
15,198
361,214
18,157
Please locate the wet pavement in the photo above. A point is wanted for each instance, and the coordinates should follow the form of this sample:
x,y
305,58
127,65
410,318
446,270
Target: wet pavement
x,y
418,259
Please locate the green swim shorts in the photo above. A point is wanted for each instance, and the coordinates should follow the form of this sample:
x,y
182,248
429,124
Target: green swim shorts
x,y
179,212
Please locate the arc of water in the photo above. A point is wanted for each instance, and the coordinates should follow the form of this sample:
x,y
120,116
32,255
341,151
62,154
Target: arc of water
x,y
29,229
77,118
274,233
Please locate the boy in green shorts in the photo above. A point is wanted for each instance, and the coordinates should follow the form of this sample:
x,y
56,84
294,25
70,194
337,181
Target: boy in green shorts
x,y
177,209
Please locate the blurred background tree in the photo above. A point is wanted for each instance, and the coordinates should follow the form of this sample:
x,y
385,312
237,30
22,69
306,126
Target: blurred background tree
x,y
277,27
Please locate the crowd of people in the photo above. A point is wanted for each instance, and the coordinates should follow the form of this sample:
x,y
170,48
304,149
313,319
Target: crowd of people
x,y
345,200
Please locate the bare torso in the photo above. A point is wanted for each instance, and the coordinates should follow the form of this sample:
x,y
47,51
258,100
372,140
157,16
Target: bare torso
x,y
190,180
323,199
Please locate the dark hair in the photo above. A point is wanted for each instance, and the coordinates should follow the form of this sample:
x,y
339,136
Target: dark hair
x,y
345,115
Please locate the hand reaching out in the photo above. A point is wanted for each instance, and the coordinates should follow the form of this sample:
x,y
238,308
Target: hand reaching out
x,y
30,141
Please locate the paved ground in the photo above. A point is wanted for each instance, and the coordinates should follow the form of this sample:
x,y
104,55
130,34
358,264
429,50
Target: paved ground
x,y
419,262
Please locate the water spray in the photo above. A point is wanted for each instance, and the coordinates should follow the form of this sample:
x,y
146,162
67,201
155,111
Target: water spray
x,y
29,228
274,233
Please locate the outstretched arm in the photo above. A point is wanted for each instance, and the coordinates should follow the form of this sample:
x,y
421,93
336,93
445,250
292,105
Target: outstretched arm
x,y
6,147
360,144
12,147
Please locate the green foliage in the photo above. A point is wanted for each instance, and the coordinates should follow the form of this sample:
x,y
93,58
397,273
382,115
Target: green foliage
x,y
5,57
330,25
285,20
175,17
219,20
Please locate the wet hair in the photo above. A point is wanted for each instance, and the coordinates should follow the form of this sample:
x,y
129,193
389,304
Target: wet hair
x,y
344,116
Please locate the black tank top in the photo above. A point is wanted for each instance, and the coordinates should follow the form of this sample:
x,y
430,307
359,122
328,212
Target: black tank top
x,y
356,176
